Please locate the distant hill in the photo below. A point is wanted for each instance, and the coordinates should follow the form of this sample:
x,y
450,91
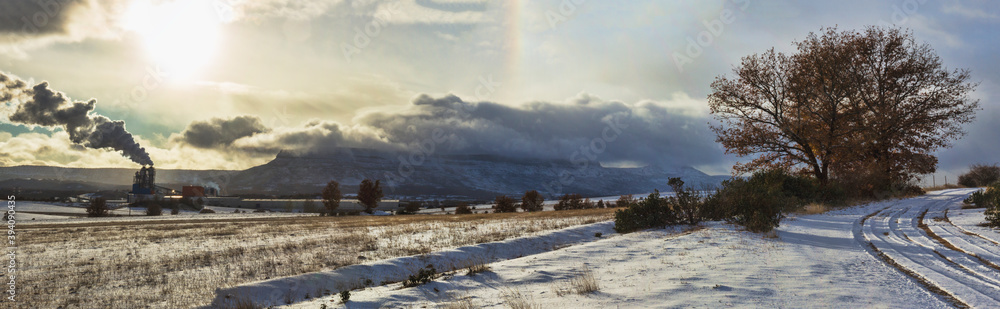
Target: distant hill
x,y
439,176
459,176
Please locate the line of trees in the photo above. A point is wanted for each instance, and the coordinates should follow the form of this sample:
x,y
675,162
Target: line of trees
x,y
369,195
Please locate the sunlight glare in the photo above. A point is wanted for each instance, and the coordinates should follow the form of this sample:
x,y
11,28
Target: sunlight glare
x,y
181,36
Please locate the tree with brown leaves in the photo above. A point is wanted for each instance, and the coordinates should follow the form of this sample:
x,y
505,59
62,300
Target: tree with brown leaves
x,y
331,197
369,194
504,203
532,201
872,104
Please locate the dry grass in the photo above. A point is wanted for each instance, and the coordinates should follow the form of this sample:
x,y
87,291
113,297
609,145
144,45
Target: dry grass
x,y
584,282
943,187
477,265
180,263
459,302
813,208
514,299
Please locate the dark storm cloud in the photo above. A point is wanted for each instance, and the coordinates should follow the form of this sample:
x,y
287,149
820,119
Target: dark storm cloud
x,y
218,132
611,131
34,17
585,128
40,105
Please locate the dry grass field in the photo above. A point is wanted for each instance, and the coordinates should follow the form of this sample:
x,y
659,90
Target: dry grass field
x,y
180,263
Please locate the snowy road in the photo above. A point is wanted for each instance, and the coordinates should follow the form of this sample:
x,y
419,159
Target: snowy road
x,y
916,236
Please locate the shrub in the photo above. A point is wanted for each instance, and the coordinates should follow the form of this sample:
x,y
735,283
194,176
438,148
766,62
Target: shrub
x,y
345,296
984,198
757,203
410,208
600,204
154,209
175,209
424,275
993,211
206,211
686,204
532,201
504,203
980,175
625,201
652,211
463,209
98,208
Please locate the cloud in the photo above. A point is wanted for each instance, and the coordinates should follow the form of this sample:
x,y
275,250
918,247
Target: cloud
x,y
218,132
981,13
647,132
29,24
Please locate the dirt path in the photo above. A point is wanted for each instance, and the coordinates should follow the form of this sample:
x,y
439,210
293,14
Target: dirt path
x,y
916,237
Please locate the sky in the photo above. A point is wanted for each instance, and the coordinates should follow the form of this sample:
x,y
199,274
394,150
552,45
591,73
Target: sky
x,y
227,84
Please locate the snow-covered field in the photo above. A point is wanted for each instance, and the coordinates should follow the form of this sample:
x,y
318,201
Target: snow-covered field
x,y
822,260
138,262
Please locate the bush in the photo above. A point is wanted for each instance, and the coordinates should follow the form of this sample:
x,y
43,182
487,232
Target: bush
x,y
757,203
424,275
98,208
206,211
984,198
625,201
652,211
345,296
410,208
993,211
686,204
463,209
980,175
175,209
154,209
532,201
504,203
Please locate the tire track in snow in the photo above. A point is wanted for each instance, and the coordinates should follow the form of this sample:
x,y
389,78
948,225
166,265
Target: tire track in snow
x,y
962,274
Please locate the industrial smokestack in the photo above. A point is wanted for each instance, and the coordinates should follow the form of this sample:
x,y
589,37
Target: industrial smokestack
x,y
42,106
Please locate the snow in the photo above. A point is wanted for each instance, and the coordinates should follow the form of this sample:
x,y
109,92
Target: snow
x,y
275,291
946,257
839,258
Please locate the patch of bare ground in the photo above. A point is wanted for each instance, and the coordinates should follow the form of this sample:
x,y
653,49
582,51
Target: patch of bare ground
x,y
180,263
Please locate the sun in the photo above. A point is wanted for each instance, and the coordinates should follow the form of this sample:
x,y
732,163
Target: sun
x,y
181,36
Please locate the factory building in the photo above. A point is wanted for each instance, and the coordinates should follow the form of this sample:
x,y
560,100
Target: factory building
x,y
143,185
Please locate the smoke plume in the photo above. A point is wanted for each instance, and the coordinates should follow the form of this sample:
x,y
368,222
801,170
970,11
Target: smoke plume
x,y
40,105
